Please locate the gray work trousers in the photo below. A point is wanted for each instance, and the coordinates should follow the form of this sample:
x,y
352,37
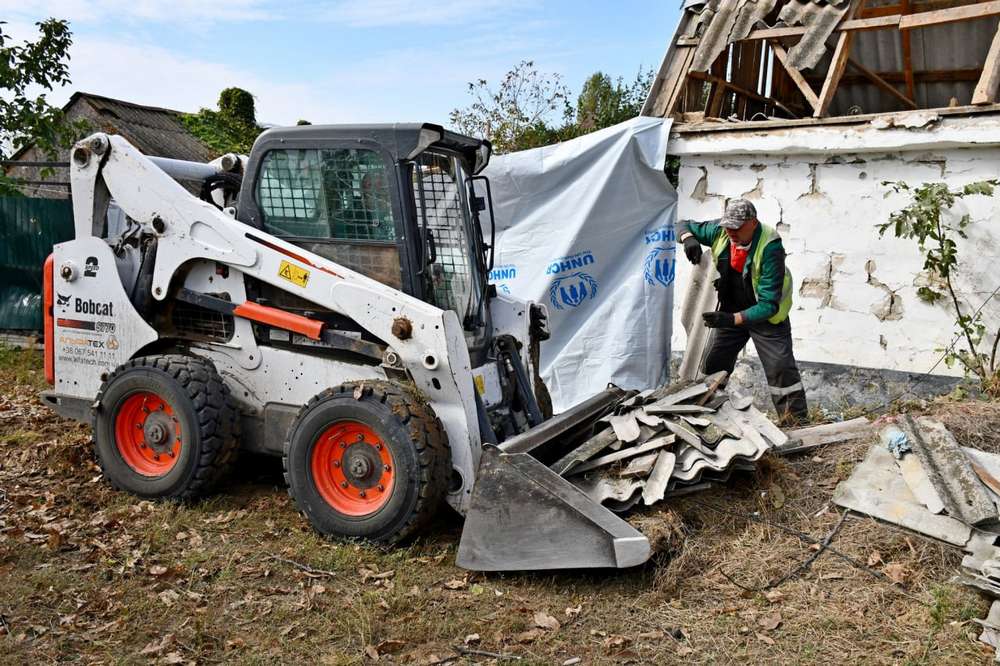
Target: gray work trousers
x,y
774,347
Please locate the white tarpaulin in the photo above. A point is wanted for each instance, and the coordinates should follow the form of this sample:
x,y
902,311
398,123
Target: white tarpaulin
x,y
587,228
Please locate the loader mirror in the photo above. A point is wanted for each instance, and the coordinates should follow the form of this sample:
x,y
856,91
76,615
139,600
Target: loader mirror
x,y
482,204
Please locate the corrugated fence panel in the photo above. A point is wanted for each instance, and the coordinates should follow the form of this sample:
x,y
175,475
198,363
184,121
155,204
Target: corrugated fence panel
x,y
28,230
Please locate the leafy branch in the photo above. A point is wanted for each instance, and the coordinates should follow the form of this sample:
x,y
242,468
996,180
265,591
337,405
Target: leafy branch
x,y
930,221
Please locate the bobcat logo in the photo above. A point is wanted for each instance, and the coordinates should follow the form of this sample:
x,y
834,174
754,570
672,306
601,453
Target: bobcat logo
x,y
62,301
572,290
660,266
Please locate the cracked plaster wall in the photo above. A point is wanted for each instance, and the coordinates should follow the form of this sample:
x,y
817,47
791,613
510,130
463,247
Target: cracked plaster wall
x,y
855,293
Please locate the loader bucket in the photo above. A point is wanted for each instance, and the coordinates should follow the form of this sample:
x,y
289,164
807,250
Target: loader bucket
x,y
524,516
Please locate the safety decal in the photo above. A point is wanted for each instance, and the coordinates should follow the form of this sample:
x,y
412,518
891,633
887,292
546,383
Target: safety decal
x,y
294,274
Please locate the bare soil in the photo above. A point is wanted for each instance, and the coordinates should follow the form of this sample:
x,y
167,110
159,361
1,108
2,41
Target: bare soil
x,y
90,575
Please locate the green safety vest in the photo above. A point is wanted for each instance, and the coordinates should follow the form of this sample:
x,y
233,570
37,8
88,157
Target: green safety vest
x,y
767,235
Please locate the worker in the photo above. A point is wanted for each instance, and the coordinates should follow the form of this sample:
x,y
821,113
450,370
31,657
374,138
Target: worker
x,y
755,295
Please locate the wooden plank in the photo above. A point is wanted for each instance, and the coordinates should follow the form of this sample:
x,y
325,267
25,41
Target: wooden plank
x,y
852,25
742,91
986,89
931,76
940,16
904,36
795,75
837,65
882,83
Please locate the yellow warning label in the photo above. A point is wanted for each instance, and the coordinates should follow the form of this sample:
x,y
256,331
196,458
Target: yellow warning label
x,y
480,384
294,274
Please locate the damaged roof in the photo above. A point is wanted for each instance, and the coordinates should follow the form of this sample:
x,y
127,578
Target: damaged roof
x,y
719,23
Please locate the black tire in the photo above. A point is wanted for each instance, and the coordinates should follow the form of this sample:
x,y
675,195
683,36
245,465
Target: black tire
x,y
205,424
409,431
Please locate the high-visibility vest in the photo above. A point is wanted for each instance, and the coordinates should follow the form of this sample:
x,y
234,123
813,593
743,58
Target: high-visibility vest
x,y
768,234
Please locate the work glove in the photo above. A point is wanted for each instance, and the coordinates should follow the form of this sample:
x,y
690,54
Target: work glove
x,y
719,319
692,249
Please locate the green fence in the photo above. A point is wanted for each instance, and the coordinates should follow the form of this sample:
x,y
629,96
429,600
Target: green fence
x,y
28,230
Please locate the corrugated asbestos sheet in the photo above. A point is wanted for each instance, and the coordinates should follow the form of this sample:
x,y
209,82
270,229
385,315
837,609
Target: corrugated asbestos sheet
x,y
721,22
28,230
153,131
820,17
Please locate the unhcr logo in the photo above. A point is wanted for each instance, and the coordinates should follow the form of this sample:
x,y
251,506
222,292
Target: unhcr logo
x,y
660,266
569,263
572,290
577,287
500,274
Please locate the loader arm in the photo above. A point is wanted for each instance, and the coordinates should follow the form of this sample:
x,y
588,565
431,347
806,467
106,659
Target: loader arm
x,y
430,345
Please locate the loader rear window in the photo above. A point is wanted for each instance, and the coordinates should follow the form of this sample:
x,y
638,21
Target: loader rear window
x,y
340,194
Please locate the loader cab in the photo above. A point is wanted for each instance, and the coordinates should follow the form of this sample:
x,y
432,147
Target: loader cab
x,y
395,203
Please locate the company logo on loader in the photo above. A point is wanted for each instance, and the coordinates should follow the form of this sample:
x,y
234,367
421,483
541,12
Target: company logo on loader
x,y
82,306
62,301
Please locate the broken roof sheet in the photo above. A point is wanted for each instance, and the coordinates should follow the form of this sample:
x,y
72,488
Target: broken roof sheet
x,y
722,22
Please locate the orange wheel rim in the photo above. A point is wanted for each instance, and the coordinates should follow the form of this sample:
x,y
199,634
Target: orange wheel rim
x,y
352,468
148,434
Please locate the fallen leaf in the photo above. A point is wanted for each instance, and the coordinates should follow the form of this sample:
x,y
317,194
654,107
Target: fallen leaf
x,y
477,589
529,636
158,570
897,573
471,638
774,596
767,640
651,635
169,597
684,650
770,622
875,558
456,583
545,621
172,658
573,612
616,641
572,661
390,646
777,497
157,646
371,653
814,547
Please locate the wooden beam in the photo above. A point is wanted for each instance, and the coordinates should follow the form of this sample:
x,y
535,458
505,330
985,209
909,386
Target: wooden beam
x,y
940,16
882,83
721,86
931,76
782,56
986,89
838,64
904,37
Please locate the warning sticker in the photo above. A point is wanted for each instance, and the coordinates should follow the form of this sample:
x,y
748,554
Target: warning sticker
x,y
480,383
294,274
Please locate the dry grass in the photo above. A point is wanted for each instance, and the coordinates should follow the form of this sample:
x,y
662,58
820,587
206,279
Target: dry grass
x,y
93,576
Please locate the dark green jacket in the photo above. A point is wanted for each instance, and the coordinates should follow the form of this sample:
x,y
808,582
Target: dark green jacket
x,y
772,276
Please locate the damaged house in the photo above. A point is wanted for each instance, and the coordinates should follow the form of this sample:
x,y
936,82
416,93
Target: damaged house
x,y
807,107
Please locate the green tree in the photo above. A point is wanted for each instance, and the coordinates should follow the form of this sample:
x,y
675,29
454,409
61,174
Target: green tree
x,y
529,108
603,102
931,222
27,118
231,129
518,113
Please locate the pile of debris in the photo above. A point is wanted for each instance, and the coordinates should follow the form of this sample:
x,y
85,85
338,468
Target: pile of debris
x,y
670,441
918,477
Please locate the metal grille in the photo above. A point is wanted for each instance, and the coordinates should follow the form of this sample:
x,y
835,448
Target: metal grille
x,y
197,322
340,194
438,183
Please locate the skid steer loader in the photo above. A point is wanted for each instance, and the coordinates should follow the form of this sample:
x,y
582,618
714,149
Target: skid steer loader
x,y
324,300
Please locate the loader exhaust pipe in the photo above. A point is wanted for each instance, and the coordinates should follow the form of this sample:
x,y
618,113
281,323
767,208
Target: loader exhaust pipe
x,y
524,516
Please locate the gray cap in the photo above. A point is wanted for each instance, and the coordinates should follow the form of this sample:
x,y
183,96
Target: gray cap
x,y
738,212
